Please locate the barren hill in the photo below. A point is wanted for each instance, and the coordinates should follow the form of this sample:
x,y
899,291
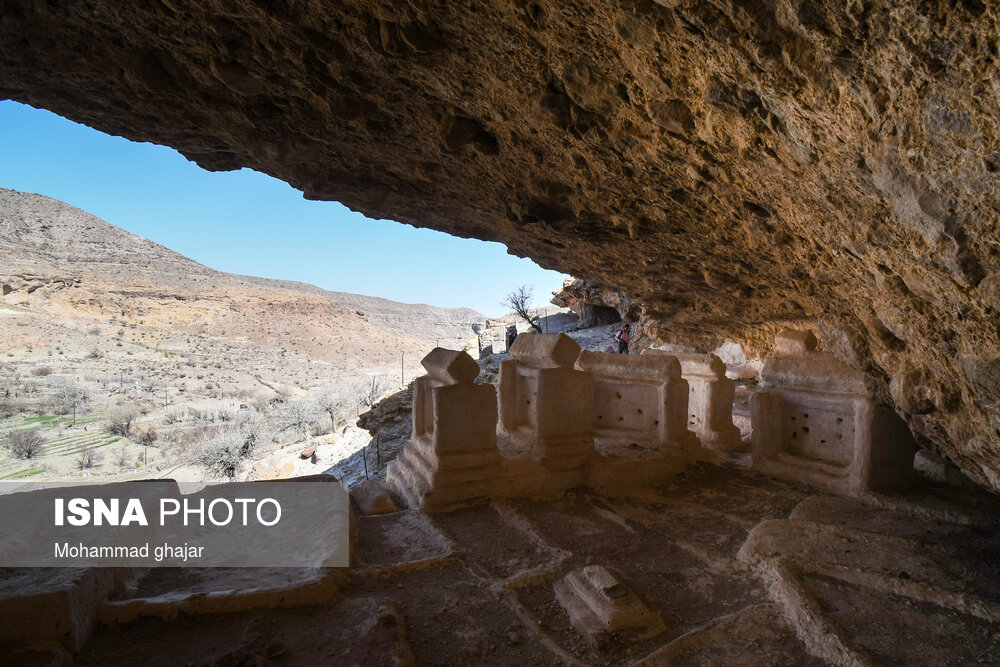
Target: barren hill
x,y
66,272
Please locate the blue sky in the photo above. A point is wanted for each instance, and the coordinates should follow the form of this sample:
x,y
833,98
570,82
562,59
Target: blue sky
x,y
249,223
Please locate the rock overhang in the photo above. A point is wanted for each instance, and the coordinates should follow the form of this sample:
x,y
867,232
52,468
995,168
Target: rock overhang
x,y
730,166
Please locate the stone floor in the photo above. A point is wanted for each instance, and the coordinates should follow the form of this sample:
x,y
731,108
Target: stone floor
x,y
740,568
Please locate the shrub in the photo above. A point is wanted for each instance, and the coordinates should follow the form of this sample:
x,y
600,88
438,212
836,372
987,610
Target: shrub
x,y
25,444
226,453
42,371
297,416
121,419
88,458
10,407
121,457
148,436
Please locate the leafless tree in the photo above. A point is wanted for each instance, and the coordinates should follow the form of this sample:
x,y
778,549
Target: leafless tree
x,y
10,381
297,416
66,397
227,452
122,458
335,402
147,436
520,302
10,407
121,419
372,391
88,458
24,444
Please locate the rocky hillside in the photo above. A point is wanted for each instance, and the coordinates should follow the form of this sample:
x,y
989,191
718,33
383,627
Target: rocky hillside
x,y
71,270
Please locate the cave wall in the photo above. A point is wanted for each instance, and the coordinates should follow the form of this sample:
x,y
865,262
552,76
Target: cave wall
x,y
732,166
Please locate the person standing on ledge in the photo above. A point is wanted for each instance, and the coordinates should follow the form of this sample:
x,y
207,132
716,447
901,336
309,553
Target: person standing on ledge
x,y
623,336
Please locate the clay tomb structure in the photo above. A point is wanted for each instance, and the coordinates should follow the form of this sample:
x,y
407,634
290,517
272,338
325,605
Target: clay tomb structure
x,y
814,421
602,608
710,406
610,421
639,401
566,419
452,454
546,404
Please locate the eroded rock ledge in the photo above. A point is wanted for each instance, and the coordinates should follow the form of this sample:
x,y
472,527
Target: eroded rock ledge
x,y
732,166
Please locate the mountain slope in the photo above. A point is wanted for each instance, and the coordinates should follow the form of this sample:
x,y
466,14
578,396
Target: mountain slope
x,y
76,271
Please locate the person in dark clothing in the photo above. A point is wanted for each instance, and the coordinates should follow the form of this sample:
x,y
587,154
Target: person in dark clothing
x,y
623,337
511,336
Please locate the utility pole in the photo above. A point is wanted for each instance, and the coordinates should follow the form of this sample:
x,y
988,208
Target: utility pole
x,y
402,377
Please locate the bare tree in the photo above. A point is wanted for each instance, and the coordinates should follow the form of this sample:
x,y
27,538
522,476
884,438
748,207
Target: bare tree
x,y
66,397
24,444
122,458
121,419
88,458
10,407
335,402
147,436
227,452
520,302
10,381
372,392
297,416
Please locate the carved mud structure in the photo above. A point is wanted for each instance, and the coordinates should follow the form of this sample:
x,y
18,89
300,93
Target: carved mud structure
x,y
730,166
452,453
611,423
710,406
638,401
546,405
603,609
815,422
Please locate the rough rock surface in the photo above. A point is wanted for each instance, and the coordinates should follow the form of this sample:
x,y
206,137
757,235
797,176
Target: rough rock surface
x,y
594,304
731,165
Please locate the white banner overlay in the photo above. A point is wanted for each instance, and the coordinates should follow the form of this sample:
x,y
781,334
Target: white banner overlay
x,y
160,523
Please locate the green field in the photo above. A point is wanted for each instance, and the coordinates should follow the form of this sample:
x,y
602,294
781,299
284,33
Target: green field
x,y
68,441
22,474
